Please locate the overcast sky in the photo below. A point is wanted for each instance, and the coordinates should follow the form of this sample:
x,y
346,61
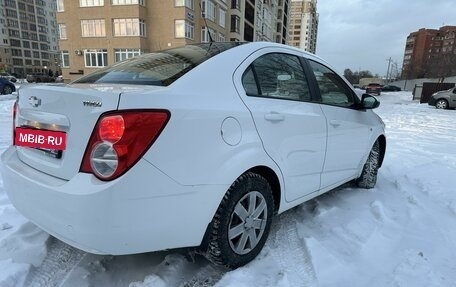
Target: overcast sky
x,y
364,34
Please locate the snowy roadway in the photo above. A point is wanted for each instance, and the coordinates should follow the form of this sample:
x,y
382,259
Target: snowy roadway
x,y
401,233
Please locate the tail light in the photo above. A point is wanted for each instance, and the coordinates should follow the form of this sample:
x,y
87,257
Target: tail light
x,y
120,139
14,120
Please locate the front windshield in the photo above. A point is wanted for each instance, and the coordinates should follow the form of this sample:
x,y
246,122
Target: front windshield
x,y
160,68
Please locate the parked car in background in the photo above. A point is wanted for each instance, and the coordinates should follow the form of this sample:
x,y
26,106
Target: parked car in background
x,y
374,88
196,146
9,77
39,78
443,99
6,87
391,88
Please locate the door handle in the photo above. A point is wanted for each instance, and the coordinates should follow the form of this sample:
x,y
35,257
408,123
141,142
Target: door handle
x,y
274,117
335,123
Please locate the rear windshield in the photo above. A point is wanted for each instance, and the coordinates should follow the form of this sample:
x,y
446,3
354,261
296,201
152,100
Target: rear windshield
x,y
159,68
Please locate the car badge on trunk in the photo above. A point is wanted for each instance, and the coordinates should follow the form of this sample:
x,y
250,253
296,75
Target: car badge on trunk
x,y
34,101
92,104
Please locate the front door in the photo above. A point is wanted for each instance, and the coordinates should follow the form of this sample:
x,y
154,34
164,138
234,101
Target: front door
x,y
348,128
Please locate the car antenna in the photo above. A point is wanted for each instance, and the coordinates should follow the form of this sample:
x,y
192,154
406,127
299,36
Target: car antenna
x,y
205,23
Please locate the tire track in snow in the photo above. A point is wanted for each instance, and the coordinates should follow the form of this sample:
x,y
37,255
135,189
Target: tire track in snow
x,y
58,263
290,251
207,276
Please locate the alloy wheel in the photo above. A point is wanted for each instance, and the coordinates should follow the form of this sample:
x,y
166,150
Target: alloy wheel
x,y
248,222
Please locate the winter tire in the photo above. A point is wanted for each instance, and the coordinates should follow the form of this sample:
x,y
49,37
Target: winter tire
x,y
242,222
441,104
368,177
7,90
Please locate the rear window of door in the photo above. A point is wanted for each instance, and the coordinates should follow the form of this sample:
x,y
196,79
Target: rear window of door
x,y
277,75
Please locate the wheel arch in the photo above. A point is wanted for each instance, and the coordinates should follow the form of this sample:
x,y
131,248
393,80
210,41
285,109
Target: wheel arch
x,y
273,180
382,141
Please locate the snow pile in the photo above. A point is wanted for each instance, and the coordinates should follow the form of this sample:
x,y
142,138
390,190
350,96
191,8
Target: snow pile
x,y
401,233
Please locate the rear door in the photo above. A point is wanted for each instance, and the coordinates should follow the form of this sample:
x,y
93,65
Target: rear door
x,y
275,89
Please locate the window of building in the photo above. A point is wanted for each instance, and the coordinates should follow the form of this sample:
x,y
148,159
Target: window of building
x,y
36,54
12,23
15,43
129,27
186,3
96,57
14,33
91,3
222,17
65,59
10,3
11,13
18,62
60,7
27,54
205,34
123,54
209,9
235,4
129,2
221,37
235,24
62,32
16,52
183,29
93,28
22,6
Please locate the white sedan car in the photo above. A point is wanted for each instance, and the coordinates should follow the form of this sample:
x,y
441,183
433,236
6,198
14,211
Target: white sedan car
x,y
197,146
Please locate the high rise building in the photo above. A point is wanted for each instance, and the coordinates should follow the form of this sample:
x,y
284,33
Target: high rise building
x,y
97,33
28,37
282,21
430,53
303,25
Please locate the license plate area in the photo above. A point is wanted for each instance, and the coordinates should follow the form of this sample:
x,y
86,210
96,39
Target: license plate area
x,y
51,143
51,152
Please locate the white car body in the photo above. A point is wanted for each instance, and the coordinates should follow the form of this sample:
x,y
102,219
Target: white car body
x,y
215,133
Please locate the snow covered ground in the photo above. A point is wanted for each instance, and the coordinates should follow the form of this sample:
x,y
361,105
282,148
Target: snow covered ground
x,y
401,233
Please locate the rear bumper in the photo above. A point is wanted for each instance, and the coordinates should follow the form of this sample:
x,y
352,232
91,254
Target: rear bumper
x,y
373,91
133,214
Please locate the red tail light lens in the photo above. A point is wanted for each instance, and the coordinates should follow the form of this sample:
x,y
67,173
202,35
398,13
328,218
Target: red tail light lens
x,y
120,139
111,128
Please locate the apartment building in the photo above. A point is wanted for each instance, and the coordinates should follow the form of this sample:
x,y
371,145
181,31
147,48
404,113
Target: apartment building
x,y
430,53
97,33
28,37
303,25
282,21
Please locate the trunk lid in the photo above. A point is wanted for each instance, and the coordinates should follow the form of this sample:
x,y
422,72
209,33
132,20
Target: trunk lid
x,y
71,109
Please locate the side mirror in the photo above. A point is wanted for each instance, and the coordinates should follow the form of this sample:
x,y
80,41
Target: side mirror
x,y
369,102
